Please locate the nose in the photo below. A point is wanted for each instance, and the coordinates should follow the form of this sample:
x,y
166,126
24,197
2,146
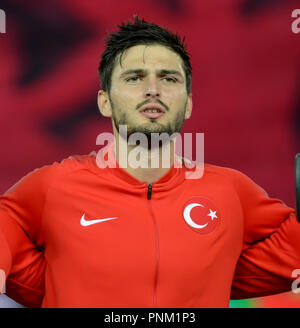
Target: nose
x,y
152,89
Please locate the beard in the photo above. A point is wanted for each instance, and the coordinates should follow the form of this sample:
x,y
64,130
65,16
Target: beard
x,y
149,128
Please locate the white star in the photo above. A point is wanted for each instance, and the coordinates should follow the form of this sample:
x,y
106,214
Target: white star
x,y
212,214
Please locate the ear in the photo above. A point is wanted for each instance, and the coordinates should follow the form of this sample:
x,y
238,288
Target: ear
x,y
189,106
104,103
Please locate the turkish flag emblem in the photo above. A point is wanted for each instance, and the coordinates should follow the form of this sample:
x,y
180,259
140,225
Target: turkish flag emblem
x,y
201,215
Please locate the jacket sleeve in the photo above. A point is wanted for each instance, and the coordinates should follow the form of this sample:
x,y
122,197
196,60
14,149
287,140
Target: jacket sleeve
x,y
21,239
271,243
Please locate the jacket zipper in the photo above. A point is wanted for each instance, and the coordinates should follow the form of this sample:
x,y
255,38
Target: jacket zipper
x,y
149,194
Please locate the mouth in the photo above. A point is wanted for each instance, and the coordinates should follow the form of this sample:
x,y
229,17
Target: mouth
x,y
152,111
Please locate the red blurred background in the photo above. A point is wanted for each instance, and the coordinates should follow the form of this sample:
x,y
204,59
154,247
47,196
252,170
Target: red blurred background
x,y
246,83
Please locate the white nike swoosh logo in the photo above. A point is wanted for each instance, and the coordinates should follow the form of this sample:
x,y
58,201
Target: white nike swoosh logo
x,y
85,223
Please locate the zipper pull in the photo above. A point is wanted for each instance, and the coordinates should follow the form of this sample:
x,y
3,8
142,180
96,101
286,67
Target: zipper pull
x,y
149,191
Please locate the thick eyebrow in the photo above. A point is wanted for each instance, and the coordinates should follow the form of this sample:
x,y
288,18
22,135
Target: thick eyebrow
x,y
144,71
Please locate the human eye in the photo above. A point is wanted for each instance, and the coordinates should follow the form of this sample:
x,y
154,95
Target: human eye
x,y
133,78
170,79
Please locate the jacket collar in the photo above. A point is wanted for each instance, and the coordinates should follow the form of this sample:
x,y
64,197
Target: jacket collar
x,y
105,160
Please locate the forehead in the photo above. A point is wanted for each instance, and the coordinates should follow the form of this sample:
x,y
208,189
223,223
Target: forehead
x,y
149,56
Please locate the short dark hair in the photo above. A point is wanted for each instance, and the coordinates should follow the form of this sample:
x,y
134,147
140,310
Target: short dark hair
x,y
140,32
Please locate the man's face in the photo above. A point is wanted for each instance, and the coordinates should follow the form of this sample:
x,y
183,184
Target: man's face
x,y
149,76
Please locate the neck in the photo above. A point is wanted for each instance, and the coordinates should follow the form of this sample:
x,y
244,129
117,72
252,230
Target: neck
x,y
146,165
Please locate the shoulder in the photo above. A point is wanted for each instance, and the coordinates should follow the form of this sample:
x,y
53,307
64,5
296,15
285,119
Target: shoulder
x,y
238,179
217,172
225,172
234,180
41,178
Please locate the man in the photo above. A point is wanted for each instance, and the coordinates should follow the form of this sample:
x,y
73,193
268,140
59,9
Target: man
x,y
83,234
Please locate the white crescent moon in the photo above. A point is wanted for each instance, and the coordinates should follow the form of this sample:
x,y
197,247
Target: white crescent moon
x,y
187,216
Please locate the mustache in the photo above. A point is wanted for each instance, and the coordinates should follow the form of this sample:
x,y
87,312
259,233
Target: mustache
x,y
151,102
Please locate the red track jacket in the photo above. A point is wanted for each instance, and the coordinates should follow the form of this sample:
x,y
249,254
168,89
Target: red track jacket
x,y
75,235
